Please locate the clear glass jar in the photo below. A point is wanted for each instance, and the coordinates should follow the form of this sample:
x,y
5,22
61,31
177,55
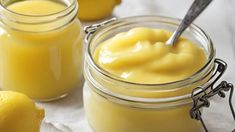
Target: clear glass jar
x,y
114,105
41,55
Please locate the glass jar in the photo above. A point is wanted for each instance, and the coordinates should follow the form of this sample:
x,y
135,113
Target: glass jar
x,y
41,55
114,105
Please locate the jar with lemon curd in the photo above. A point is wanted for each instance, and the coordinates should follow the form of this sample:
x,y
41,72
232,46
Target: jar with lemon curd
x,y
131,88
40,47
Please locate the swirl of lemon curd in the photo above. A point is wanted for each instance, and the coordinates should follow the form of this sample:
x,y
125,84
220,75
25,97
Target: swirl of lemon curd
x,y
142,56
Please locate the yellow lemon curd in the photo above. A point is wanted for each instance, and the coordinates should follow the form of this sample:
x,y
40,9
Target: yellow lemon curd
x,y
96,9
141,56
18,113
143,52
36,7
42,64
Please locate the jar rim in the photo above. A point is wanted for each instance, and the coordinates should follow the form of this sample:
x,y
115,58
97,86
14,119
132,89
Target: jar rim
x,y
210,59
42,23
71,4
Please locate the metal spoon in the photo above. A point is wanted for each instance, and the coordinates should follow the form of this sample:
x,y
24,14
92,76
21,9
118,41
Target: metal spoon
x,y
195,10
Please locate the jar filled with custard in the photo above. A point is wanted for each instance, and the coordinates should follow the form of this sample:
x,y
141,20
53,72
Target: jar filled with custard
x,y
134,82
41,49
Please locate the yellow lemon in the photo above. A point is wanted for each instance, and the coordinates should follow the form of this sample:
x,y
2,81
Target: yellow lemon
x,y
96,9
18,113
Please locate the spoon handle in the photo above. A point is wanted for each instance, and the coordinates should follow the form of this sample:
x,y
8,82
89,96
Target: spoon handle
x,y
195,10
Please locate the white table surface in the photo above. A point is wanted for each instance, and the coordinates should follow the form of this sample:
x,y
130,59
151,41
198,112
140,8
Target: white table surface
x,y
67,115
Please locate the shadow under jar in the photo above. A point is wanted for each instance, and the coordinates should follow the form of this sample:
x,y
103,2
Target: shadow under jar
x,y
40,54
114,105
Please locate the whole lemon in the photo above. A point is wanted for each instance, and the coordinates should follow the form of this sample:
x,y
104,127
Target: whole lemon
x,y
18,113
96,9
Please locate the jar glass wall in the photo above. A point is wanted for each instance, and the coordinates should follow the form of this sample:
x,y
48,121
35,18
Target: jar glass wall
x,y
40,55
115,105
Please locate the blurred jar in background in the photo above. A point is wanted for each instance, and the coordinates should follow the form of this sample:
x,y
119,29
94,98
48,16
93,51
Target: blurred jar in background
x,y
90,10
40,48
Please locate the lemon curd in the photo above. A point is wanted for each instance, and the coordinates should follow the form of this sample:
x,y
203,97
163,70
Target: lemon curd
x,y
36,7
41,49
143,52
137,83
